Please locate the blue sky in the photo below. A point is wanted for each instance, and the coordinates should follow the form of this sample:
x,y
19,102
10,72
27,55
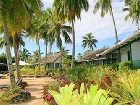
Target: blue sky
x,y
102,28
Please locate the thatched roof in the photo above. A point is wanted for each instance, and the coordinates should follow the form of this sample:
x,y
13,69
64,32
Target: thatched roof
x,y
50,58
87,56
130,39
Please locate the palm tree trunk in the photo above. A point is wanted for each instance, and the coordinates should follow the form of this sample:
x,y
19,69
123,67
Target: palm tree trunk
x,y
92,48
46,42
73,50
138,25
112,15
50,48
37,41
8,54
16,50
60,65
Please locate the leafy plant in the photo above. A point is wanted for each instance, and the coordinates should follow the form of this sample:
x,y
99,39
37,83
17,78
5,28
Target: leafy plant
x,y
127,87
8,95
48,98
68,96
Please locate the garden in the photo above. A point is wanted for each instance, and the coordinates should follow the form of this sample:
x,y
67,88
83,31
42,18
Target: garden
x,y
116,84
101,85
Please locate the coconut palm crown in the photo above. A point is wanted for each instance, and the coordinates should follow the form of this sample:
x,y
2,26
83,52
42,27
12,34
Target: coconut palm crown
x,y
89,41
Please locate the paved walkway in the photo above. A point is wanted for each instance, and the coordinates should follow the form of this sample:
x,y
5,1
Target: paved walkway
x,y
36,89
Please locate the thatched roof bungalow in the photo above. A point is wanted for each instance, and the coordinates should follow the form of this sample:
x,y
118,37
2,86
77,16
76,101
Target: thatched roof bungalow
x,y
52,61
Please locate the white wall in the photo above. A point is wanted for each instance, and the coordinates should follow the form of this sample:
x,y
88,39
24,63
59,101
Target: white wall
x,y
135,47
124,55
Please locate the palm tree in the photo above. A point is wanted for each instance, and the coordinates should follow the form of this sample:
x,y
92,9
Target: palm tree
x,y
15,42
36,55
133,8
64,31
89,41
14,17
56,30
70,9
38,29
44,31
24,54
106,7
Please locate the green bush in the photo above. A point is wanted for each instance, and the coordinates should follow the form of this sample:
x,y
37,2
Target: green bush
x,y
34,71
115,66
27,70
77,73
127,65
39,71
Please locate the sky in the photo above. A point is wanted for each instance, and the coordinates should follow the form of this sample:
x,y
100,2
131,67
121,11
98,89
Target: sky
x,y
102,28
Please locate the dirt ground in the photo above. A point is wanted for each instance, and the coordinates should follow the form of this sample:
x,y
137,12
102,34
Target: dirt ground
x,y
35,87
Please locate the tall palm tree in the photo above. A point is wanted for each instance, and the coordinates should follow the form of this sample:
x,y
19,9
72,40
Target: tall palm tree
x,y
89,41
17,41
70,10
44,30
35,31
64,32
133,8
106,7
14,17
56,30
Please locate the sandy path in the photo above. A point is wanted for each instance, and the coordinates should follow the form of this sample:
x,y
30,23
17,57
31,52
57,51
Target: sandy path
x,y
36,89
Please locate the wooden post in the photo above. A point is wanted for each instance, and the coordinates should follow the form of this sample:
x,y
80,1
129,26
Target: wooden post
x,y
130,51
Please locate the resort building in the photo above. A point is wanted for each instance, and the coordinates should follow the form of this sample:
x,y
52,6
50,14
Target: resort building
x,y
127,50
52,61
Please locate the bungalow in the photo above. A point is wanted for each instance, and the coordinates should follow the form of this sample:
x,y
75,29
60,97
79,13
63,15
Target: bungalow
x,y
52,61
127,50
86,58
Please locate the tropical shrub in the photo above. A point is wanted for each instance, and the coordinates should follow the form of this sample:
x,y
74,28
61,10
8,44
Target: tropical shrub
x,y
127,65
115,66
34,71
93,96
14,95
76,73
47,96
9,95
126,89
27,70
39,71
